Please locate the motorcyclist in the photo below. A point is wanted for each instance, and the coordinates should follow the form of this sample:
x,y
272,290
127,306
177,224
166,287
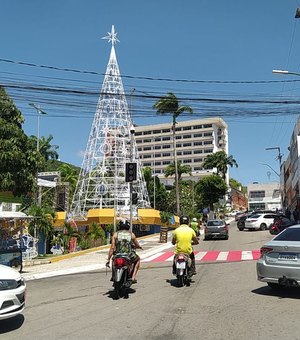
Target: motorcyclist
x,y
183,238
195,226
124,241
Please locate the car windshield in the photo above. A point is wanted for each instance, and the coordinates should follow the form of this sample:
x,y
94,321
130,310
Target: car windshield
x,y
214,223
254,216
289,234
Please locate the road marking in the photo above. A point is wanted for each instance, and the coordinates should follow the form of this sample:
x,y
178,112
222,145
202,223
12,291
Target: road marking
x,y
209,256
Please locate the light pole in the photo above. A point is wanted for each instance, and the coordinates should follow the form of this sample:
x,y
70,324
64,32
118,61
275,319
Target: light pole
x,y
285,72
39,112
279,157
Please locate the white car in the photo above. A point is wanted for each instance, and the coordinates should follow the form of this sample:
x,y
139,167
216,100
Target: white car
x,y
259,221
12,293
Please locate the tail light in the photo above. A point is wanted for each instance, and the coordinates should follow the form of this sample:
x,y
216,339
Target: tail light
x,y
119,262
265,250
180,258
225,227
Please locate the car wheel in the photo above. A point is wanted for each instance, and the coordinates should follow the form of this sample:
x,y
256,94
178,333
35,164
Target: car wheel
x,y
263,226
17,265
241,228
226,237
274,285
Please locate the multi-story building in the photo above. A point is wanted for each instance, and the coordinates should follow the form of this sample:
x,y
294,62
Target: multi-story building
x,y
264,196
195,139
290,172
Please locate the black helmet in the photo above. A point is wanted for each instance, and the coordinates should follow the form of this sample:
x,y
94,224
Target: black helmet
x,y
184,220
124,224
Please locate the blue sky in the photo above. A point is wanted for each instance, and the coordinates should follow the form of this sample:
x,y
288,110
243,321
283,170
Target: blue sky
x,y
219,41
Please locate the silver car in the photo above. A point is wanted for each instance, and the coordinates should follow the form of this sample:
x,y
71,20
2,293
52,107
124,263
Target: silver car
x,y
216,229
279,264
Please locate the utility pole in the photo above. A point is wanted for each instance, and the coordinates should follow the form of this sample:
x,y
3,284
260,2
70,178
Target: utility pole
x,y
279,157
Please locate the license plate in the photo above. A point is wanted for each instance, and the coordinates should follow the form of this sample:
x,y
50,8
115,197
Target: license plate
x,y
180,265
288,257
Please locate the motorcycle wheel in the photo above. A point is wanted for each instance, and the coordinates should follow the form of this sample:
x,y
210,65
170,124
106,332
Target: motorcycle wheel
x,y
180,280
118,289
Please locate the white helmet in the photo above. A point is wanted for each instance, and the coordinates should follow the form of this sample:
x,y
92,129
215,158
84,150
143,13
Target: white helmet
x,y
194,219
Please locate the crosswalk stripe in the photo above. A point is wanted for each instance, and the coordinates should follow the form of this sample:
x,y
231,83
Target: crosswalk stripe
x,y
222,256
208,256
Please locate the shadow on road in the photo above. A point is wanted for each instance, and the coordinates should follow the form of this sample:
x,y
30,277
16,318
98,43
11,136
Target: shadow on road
x,y
175,283
12,324
125,294
282,293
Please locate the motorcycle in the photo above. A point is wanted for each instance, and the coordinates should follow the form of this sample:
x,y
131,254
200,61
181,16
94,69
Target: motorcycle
x,y
183,269
122,269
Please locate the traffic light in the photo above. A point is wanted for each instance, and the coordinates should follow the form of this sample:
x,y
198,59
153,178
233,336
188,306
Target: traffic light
x,y
130,172
134,198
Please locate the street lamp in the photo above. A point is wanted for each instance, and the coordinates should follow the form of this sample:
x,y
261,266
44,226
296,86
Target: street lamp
x,y
39,112
279,157
285,72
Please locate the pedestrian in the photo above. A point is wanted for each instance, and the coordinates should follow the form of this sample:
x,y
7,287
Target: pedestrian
x,y
288,213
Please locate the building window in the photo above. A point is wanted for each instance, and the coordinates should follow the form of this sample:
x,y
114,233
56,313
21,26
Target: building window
x,y
208,151
178,145
187,136
139,149
185,128
205,126
157,139
147,156
138,133
187,152
166,146
197,135
156,131
207,142
207,134
157,147
179,153
186,144
178,129
157,163
196,127
197,160
197,168
147,164
147,133
178,137
198,151
198,143
167,154
187,161
257,194
157,155
147,148
165,130
139,141
165,162
166,138
157,171
147,140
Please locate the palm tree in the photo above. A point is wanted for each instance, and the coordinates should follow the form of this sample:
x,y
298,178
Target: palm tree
x,y
181,169
69,174
47,150
221,161
170,104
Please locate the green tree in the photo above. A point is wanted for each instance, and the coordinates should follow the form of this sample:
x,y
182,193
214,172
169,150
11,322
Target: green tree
x,y
19,159
221,161
96,232
181,169
46,149
170,104
210,189
69,174
43,222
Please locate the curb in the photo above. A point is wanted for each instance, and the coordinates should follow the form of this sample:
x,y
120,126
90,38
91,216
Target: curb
x,y
75,254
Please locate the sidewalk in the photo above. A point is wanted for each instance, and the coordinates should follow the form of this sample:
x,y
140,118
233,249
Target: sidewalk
x,y
87,260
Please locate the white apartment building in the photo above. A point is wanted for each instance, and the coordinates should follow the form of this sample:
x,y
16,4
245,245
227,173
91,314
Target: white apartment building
x,y
195,139
264,196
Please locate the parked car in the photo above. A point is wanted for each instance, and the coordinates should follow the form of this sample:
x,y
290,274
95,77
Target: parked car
x,y
239,215
241,221
279,263
280,223
216,229
259,221
12,292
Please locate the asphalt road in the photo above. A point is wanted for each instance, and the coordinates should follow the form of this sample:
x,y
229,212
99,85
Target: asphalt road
x,y
225,301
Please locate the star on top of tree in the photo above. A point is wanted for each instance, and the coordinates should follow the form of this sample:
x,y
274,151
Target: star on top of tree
x,y
112,36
